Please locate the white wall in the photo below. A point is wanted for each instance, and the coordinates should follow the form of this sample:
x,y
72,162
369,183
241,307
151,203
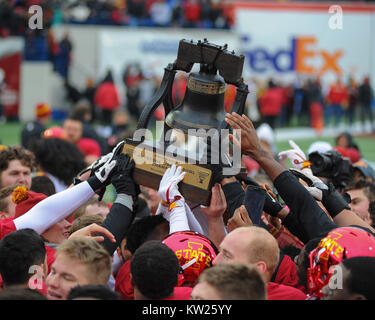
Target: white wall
x,y
39,83
97,48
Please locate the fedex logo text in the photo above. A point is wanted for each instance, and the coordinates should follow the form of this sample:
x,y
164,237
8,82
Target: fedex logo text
x,y
299,57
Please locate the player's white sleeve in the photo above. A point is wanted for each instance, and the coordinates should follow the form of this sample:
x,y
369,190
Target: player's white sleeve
x,y
54,208
177,217
193,222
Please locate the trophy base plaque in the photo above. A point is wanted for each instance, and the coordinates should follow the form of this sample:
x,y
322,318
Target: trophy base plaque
x,y
151,162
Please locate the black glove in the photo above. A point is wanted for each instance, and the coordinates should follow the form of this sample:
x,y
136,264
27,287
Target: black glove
x,y
333,201
102,176
326,193
122,179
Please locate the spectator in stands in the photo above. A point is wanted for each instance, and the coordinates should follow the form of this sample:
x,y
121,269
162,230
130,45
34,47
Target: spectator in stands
x,y
82,112
315,101
16,165
191,13
34,129
350,112
337,100
106,98
270,104
132,77
365,98
63,58
73,128
119,128
347,147
72,94
161,13
89,94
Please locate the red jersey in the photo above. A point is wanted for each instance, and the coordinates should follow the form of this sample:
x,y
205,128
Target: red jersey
x,y
276,291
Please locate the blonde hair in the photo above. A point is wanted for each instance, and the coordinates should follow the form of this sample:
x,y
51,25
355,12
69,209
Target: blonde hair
x,y
92,254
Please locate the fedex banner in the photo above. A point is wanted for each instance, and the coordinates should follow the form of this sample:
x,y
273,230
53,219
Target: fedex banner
x,y
285,40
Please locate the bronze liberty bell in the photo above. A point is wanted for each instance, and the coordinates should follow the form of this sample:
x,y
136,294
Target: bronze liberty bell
x,y
201,109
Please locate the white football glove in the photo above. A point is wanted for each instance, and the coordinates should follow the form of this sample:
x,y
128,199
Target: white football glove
x,y
168,189
296,156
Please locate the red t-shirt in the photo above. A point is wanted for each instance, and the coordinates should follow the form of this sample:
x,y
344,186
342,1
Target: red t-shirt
x,y
122,282
89,147
6,226
276,291
287,273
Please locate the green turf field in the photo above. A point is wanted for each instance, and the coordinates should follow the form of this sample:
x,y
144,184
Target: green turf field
x,y
10,134
366,145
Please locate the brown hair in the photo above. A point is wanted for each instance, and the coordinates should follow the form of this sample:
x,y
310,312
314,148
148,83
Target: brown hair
x,y
236,281
82,209
8,154
92,254
84,221
4,193
365,185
